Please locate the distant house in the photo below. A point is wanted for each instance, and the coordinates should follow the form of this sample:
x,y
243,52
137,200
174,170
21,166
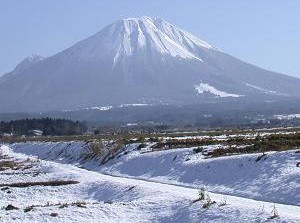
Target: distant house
x,y
35,132
5,135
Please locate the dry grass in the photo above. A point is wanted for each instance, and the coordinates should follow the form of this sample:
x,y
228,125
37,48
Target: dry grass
x,y
81,204
13,165
95,149
112,151
41,183
7,164
33,173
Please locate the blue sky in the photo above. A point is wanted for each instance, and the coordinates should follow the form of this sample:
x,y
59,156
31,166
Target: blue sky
x,y
263,32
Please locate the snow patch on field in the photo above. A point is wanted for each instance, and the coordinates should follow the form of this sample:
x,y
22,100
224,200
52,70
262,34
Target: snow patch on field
x,y
133,105
206,88
266,91
287,117
103,108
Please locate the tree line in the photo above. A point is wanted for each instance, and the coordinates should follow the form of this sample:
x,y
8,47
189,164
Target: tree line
x,y
48,126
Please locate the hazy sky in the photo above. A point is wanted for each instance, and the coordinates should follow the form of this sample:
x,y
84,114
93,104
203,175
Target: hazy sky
x,y
263,32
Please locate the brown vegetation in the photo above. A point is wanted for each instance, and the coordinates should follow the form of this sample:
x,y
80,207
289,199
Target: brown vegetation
x,y
40,183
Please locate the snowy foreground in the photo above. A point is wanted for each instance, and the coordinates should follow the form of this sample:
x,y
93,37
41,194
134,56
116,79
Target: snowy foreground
x,y
142,186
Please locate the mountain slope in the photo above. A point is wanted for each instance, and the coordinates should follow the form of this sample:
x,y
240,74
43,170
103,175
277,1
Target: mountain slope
x,y
139,60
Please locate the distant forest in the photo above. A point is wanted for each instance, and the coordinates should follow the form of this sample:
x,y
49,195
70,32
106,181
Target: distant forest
x,y
48,126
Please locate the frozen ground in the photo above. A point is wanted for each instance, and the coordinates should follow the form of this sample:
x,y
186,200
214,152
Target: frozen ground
x,y
146,187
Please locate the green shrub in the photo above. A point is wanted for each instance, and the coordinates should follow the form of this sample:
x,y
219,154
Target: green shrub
x,y
202,194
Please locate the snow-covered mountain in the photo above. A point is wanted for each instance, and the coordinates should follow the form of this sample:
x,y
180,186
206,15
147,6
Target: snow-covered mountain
x,y
138,60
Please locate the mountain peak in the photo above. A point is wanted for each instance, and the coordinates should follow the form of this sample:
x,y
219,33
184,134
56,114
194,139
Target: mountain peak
x,y
25,64
145,19
144,37
28,62
159,26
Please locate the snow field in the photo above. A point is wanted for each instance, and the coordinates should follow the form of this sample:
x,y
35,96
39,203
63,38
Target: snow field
x,y
126,199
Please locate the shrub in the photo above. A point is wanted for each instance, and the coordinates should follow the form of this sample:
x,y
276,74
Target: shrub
x,y
53,214
96,148
27,209
11,207
198,150
112,151
274,213
260,157
208,202
202,194
142,145
63,205
223,202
